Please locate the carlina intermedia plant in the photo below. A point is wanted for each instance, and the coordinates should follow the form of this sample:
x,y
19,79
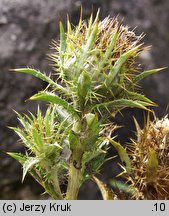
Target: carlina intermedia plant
x,y
150,160
95,76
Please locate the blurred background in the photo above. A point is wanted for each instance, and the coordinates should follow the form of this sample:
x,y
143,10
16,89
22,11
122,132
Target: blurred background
x,y
26,30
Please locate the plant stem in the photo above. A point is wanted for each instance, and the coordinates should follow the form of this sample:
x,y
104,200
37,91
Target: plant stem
x,y
75,175
56,184
53,188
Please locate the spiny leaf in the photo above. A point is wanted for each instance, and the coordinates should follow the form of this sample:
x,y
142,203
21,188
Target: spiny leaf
x,y
88,46
23,136
83,86
118,64
97,16
89,26
152,166
62,114
106,192
39,119
62,41
29,163
107,54
52,98
24,123
146,73
41,76
69,29
88,156
90,118
47,123
137,96
122,103
122,154
93,125
81,16
37,139
110,48
91,40
57,145
138,129
122,186
36,175
18,156
111,45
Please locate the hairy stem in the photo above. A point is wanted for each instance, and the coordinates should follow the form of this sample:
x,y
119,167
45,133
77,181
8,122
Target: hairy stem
x,y
56,184
53,187
75,175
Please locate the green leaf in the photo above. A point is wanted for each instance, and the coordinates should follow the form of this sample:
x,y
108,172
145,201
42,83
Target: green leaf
x,y
47,122
90,26
119,63
93,123
140,97
83,85
152,166
74,140
88,156
93,160
111,45
39,119
88,46
122,186
52,98
107,55
90,119
122,154
138,129
146,73
62,41
18,156
93,34
122,103
91,40
41,76
24,123
106,192
69,28
29,163
80,19
62,115
23,136
38,140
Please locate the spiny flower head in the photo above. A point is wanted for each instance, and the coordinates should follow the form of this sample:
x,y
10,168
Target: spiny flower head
x,y
150,160
96,46
96,61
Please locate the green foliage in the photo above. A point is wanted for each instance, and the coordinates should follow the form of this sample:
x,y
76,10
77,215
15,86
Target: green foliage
x,y
123,188
41,76
144,74
122,154
18,156
116,69
54,99
152,166
29,163
97,77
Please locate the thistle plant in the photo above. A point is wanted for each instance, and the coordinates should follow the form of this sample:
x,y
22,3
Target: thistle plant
x,y
149,154
95,75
